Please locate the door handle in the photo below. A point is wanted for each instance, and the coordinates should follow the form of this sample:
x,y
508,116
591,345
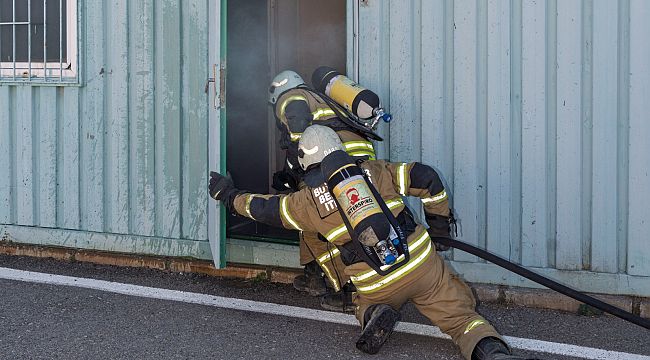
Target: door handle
x,y
207,84
212,80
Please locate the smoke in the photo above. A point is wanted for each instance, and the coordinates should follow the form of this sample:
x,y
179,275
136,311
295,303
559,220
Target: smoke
x,y
264,38
309,34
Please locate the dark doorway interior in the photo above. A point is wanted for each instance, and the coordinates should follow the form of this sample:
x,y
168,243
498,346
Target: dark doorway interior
x,y
264,38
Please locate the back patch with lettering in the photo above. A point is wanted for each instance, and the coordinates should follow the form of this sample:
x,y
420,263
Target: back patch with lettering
x,y
324,201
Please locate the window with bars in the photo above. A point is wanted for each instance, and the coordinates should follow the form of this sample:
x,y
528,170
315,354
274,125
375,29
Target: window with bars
x,y
38,41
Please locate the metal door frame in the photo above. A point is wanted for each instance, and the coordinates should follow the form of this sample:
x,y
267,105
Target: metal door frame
x,y
216,86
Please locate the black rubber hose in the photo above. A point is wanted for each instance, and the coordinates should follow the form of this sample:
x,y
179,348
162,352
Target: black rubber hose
x,y
519,270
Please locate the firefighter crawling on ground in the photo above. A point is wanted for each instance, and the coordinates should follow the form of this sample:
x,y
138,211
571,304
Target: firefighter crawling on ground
x,y
416,272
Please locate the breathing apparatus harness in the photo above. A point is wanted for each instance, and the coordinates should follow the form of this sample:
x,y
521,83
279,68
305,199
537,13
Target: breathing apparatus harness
x,y
345,116
377,237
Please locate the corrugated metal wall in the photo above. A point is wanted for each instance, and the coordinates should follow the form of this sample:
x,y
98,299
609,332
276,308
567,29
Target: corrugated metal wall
x,y
536,112
125,152
538,115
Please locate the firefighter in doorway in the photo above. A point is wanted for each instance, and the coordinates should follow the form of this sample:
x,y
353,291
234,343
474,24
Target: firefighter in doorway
x,y
295,108
425,280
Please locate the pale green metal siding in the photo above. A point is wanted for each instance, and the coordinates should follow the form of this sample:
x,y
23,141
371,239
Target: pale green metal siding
x,y
121,158
538,115
536,112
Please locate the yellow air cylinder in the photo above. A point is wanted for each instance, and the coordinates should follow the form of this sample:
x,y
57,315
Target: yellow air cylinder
x,y
358,100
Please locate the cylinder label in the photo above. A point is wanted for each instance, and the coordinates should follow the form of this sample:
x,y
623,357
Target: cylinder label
x,y
356,199
343,91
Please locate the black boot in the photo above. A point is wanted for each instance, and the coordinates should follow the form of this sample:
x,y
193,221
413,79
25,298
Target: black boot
x,y
490,348
380,321
312,281
339,301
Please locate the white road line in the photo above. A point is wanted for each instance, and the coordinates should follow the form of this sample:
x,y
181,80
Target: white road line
x,y
297,312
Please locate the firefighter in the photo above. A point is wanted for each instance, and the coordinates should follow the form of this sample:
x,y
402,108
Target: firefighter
x,y
425,280
295,108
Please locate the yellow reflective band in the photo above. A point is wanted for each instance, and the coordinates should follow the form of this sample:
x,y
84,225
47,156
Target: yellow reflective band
x,y
473,324
249,198
398,274
285,213
392,204
322,113
327,256
436,198
362,153
288,100
401,178
331,277
336,232
412,248
360,148
295,136
349,145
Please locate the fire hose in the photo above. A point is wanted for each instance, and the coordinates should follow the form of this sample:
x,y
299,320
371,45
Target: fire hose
x,y
542,280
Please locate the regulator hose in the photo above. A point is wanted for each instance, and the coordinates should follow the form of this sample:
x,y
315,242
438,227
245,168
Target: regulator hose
x,y
551,284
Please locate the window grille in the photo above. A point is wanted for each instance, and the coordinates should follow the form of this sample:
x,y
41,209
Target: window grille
x,y
38,41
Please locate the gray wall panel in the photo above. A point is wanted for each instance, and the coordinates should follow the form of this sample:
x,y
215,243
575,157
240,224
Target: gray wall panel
x,y
167,114
638,250
6,152
569,136
69,140
46,143
534,177
605,164
499,132
116,135
142,119
92,121
404,78
467,174
374,58
24,151
195,121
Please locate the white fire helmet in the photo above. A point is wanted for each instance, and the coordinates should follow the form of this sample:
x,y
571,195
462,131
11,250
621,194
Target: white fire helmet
x,y
282,82
316,142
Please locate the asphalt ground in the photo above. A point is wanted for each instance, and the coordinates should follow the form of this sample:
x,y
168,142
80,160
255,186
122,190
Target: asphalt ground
x,y
40,321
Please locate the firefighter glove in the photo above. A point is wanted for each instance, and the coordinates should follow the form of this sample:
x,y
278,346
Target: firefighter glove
x,y
284,180
222,189
439,226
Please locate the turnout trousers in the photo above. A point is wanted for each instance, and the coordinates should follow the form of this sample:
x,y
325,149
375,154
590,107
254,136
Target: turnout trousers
x,y
440,295
326,255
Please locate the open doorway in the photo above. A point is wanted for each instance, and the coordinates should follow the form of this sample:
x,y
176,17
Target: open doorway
x,y
264,38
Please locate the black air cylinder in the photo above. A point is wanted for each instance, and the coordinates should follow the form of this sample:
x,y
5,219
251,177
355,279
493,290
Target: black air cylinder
x,y
359,206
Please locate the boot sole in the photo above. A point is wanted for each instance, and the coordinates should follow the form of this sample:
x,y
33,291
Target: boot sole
x,y
377,331
309,290
345,309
